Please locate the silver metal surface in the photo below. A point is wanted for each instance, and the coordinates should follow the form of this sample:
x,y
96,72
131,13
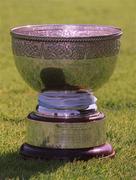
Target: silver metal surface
x,y
65,58
72,100
66,135
42,74
66,103
58,57
65,32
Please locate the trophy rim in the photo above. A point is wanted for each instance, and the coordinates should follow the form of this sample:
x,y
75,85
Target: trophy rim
x,y
68,32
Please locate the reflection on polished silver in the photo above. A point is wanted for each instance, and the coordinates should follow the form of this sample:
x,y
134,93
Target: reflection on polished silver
x,y
66,103
42,74
66,135
63,63
52,57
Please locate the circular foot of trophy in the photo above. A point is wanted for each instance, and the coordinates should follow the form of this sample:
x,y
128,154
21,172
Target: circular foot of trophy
x,y
33,152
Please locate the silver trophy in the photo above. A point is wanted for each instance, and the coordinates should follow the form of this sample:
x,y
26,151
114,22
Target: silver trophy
x,y
65,64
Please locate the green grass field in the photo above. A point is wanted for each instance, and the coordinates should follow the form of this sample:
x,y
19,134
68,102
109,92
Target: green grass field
x,y
117,98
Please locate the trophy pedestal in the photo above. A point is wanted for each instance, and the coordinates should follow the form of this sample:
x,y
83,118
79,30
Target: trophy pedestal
x,y
28,151
66,138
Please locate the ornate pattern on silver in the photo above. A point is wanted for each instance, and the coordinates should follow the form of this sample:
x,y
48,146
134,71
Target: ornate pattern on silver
x,y
54,57
65,41
65,50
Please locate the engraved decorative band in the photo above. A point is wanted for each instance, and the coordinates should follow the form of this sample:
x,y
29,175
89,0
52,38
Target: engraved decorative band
x,y
65,50
65,41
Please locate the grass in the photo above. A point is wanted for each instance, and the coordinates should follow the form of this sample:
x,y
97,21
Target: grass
x,y
117,98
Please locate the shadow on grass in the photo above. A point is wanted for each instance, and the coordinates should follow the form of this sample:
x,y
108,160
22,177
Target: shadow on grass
x,y
13,166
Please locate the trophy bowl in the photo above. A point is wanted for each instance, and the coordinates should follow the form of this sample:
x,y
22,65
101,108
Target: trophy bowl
x,y
65,63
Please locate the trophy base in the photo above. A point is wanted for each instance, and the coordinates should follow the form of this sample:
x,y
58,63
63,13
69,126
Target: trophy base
x,y
66,126
28,151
